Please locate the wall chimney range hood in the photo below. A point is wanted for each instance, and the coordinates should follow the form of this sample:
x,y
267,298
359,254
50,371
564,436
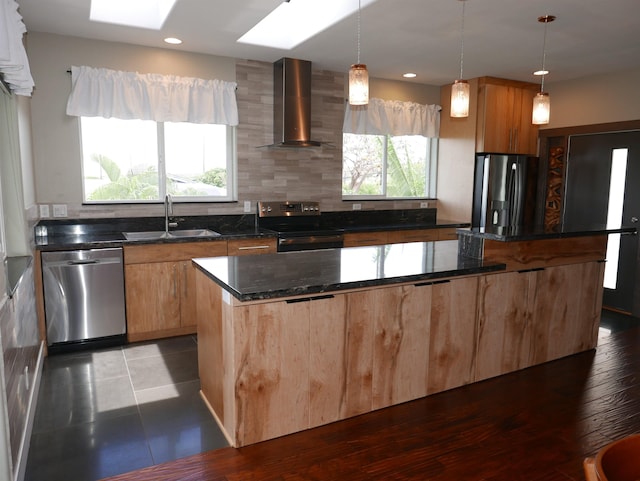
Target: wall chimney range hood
x,y
292,103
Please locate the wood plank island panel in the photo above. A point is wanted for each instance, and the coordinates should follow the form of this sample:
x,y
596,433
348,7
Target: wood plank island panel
x,y
546,252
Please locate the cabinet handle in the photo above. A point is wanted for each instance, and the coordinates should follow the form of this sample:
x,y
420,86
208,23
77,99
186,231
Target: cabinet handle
x,y
184,279
431,283
248,248
535,269
308,299
175,282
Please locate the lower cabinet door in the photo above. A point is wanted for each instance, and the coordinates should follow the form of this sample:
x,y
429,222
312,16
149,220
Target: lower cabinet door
x,y
153,297
452,334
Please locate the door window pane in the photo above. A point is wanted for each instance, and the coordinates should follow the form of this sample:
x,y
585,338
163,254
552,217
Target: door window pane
x,y
614,215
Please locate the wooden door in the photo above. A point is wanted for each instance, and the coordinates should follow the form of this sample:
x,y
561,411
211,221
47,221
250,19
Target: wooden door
x,y
566,310
527,133
153,297
271,355
400,344
328,360
504,327
187,285
495,119
452,334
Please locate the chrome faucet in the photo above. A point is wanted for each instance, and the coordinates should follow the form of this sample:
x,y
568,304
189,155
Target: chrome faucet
x,y
168,211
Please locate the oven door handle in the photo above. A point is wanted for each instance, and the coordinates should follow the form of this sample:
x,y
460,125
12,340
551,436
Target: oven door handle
x,y
311,239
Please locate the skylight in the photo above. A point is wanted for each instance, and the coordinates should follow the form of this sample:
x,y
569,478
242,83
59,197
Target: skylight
x,y
294,21
149,14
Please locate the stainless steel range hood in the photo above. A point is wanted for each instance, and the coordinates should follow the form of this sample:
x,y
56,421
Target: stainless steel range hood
x,y
292,103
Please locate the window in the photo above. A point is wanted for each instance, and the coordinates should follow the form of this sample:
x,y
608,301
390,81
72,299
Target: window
x,y
386,166
142,160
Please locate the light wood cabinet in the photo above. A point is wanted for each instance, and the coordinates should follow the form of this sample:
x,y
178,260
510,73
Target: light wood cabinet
x,y
504,323
537,315
566,310
418,235
504,117
452,335
160,288
242,247
356,239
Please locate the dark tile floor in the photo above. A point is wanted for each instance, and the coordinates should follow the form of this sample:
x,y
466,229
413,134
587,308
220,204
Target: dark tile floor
x,y
111,411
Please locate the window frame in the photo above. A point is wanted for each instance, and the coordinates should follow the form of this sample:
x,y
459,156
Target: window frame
x,y
231,170
431,172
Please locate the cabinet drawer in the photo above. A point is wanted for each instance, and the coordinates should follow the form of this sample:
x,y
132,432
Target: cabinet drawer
x,y
355,239
243,247
448,234
179,251
420,235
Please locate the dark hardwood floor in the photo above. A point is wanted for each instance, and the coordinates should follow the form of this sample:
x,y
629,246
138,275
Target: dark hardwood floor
x,y
536,424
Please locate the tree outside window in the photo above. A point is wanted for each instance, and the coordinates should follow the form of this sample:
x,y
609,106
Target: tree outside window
x,y
387,166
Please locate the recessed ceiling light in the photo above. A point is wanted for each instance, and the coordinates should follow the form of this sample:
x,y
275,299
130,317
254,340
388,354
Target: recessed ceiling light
x,y
294,21
140,13
541,72
173,40
409,75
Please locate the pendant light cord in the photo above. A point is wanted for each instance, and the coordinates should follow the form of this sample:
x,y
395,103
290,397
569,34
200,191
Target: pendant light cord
x,y
359,31
544,55
462,40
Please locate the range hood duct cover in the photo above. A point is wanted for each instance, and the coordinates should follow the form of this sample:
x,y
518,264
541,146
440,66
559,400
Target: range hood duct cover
x,y
292,103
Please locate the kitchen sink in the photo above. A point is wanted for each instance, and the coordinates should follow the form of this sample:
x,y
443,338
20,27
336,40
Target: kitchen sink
x,y
172,234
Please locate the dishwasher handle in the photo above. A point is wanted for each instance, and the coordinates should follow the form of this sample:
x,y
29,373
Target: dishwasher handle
x,y
83,262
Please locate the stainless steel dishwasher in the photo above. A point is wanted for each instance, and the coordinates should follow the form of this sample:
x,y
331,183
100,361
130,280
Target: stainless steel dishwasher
x,y
84,298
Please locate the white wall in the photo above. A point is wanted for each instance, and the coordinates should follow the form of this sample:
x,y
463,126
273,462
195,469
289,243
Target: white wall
x,y
609,97
57,153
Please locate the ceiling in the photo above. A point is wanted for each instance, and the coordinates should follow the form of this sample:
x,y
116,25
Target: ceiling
x,y
502,38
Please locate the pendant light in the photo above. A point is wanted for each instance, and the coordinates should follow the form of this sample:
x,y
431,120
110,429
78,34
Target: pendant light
x,y
541,102
460,88
358,77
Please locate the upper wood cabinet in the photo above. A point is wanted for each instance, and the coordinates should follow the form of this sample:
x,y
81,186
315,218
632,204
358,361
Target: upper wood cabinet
x,y
504,117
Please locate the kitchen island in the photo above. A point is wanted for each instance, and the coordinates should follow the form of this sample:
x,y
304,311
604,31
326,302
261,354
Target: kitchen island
x,y
290,341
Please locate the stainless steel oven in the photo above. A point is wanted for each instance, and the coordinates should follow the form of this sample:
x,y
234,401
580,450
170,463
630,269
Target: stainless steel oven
x,y
298,226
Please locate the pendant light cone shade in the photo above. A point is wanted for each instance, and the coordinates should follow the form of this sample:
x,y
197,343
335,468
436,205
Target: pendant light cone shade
x,y
460,99
542,102
358,77
460,88
541,108
358,84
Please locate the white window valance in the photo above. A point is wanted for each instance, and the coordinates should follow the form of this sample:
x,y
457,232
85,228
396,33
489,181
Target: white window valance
x,y
14,65
100,92
392,117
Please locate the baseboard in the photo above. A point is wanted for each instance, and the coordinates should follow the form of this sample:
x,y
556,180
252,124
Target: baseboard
x,y
23,453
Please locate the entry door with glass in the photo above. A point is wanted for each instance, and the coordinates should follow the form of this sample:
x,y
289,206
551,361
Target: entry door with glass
x,y
603,175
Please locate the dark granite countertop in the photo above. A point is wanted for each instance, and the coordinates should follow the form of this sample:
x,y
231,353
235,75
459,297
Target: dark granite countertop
x,y
511,233
287,274
108,232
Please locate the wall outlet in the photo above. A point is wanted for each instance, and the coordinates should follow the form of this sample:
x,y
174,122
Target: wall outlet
x,y
59,210
44,211
247,206
356,206
424,205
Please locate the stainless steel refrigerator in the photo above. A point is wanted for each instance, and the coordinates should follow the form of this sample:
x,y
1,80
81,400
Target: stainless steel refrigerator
x,y
505,190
